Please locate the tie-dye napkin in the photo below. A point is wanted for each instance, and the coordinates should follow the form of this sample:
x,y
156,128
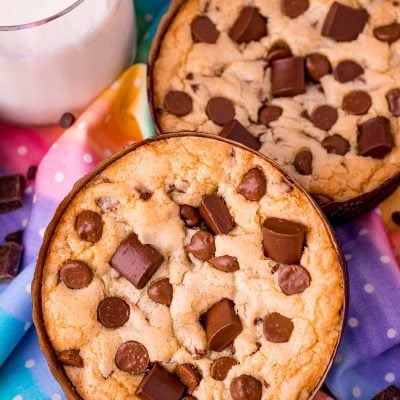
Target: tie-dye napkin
x,y
368,358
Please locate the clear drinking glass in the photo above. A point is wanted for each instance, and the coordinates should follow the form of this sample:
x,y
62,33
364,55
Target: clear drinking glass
x,y
62,62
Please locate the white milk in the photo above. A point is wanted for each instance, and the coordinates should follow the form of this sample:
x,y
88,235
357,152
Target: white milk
x,y
62,65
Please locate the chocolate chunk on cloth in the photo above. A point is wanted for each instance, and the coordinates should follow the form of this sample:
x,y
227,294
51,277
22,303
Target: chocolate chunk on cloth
x,y
277,328
132,357
294,8
245,387
253,185
344,23
190,215
11,192
10,258
375,138
216,214
303,161
225,263
220,110
89,226
113,312
235,131
31,173
178,103
336,144
204,30
71,357
393,100
357,102
161,292
15,237
269,114
390,393
76,274
160,384
347,71
293,279
249,26
388,33
222,325
283,240
324,117
202,245
189,375
221,367
317,66
136,261
67,120
287,77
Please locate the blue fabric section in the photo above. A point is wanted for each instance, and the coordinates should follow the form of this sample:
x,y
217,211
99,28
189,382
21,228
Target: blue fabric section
x,y
15,332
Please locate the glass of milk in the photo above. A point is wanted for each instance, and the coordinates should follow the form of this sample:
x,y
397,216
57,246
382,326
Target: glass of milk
x,y
56,56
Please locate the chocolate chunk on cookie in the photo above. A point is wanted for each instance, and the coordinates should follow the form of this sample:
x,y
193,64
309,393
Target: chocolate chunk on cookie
x,y
189,375
347,71
388,33
71,358
293,279
89,226
245,387
221,367
324,117
317,66
268,114
220,110
76,274
336,144
393,100
294,8
204,30
277,328
249,26
161,292
278,51
10,258
303,161
113,312
132,357
225,263
235,131
202,245
357,102
178,103
253,185
190,215
11,192
287,77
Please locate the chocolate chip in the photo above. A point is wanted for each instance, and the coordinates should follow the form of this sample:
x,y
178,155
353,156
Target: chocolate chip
x,y
161,292
15,237
249,26
31,173
107,203
268,114
277,328
293,279
222,325
190,215
396,217
10,257
216,214
136,261
160,384
321,199
204,30
390,393
287,77
375,138
235,131
324,117
278,52
303,161
294,8
245,387
347,71
89,226
221,366
317,66
11,193
132,357
225,263
202,245
336,144
283,240
76,274
66,120
220,110
189,375
71,357
113,312
253,185
388,33
393,100
357,102
344,23
178,103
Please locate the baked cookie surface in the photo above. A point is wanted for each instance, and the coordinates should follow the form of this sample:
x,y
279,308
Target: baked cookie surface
x,y
192,258
316,84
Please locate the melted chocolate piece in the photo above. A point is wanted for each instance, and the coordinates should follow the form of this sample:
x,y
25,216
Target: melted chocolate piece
x,y
76,274
278,52
11,192
293,279
317,66
294,8
268,114
225,263
189,375
347,71
202,245
235,131
221,367
336,144
178,103
277,328
393,100
388,33
220,110
204,30
71,358
357,102
303,161
113,312
89,226
161,292
132,357
253,185
245,387
287,77
324,117
190,215
249,26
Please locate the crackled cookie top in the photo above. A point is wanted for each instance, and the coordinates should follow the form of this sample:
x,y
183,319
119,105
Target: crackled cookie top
x,y
192,269
314,84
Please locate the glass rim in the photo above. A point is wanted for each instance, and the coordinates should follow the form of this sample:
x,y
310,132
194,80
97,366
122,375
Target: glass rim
x,y
42,21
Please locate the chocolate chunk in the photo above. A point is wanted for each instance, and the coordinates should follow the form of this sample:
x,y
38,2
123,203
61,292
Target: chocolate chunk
x,y
89,226
294,8
277,328
303,161
393,100
31,173
283,240
161,292
375,138
15,237
287,77
390,393
321,199
107,203
278,52
189,375
235,131
10,257
396,217
113,312
190,215
66,120
344,23
216,214
202,245
144,194
160,384
388,33
336,144
132,357
204,30
245,387
347,71
324,117
222,325
76,274
178,103
268,114
249,26
221,366
225,263
253,185
11,192
71,357
220,110
293,279
317,66
357,102
136,261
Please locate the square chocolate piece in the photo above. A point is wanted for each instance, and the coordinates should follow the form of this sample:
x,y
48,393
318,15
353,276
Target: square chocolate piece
x,y
288,77
235,131
10,257
11,192
390,393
